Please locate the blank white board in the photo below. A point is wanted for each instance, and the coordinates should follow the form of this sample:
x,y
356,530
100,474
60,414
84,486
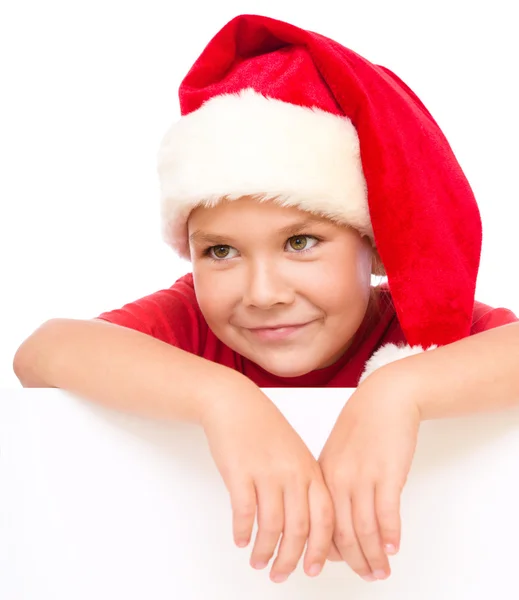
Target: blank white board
x,y
101,504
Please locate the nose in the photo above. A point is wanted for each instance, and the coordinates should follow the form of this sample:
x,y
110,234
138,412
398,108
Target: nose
x,y
266,287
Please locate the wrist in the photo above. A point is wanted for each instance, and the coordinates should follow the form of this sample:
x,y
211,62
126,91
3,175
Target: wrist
x,y
406,380
224,389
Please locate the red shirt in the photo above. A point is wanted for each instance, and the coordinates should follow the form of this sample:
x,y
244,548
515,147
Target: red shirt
x,y
173,316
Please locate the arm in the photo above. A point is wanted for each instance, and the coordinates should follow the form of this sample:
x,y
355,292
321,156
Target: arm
x,y
476,374
366,459
261,458
123,369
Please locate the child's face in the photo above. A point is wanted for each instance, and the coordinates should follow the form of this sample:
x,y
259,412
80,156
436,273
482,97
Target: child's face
x,y
255,267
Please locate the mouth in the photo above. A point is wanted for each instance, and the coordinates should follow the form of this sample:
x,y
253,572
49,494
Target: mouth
x,y
269,334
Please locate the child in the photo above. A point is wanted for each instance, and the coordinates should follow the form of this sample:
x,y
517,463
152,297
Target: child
x,y
298,170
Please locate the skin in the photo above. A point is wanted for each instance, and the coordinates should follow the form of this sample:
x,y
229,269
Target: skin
x,y
251,271
366,459
258,264
368,455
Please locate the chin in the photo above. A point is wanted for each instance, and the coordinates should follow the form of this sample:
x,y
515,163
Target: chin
x,y
285,372
287,368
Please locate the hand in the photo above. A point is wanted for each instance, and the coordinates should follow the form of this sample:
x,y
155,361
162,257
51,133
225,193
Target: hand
x,y
365,463
268,469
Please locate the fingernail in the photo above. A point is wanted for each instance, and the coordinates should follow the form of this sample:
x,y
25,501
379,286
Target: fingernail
x,y
390,549
369,578
242,543
279,578
380,574
260,565
314,570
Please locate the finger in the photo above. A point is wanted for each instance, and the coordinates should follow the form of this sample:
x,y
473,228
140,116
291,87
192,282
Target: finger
x,y
387,506
295,533
366,529
243,502
334,555
322,523
271,520
345,537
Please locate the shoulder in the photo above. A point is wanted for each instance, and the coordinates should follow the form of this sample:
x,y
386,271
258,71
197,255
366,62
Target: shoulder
x,y
486,317
171,315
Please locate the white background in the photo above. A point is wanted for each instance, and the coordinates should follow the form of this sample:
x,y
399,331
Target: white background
x,y
89,89
96,503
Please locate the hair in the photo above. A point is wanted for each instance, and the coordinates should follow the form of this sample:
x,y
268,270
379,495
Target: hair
x,y
375,304
378,266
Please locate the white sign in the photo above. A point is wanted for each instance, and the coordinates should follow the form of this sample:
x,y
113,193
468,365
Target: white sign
x,y
98,504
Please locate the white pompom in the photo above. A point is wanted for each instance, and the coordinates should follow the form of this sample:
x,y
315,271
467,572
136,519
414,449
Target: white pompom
x,y
388,354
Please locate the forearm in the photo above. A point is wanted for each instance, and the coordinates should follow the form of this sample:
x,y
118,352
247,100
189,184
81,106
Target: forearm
x,y
476,374
122,369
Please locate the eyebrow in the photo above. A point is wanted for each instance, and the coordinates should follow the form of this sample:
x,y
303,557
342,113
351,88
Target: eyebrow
x,y
199,236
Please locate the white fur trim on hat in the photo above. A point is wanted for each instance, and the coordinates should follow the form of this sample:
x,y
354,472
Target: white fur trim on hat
x,y
246,144
388,354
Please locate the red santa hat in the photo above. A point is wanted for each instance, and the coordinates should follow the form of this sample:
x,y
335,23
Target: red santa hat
x,y
271,109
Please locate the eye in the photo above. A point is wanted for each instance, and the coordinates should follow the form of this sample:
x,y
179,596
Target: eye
x,y
300,242
219,252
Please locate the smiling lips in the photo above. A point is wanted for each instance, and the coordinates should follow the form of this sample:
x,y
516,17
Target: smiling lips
x,y
278,332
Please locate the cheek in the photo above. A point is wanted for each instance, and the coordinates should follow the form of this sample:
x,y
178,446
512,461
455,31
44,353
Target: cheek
x,y
339,284
341,298
213,296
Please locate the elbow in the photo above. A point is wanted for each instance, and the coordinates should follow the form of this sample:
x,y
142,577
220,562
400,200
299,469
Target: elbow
x,y
20,365
28,357
23,362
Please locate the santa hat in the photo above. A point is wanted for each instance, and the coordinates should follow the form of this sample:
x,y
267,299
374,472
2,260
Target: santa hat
x,y
273,110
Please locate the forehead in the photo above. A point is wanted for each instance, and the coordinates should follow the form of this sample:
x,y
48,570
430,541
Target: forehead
x,y
228,219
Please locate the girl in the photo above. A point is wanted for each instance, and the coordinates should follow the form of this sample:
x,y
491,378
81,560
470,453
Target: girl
x,y
297,171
